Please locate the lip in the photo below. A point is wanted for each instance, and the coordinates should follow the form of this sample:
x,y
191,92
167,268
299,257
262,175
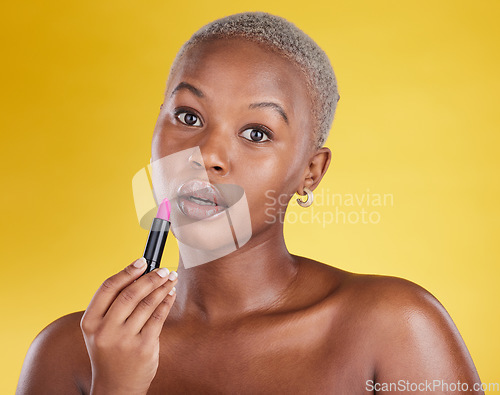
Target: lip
x,y
200,199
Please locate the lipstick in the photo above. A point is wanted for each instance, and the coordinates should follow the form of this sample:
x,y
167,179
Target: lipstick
x,y
157,236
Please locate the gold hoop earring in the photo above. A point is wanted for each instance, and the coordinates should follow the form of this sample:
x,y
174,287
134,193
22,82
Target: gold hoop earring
x,y
309,200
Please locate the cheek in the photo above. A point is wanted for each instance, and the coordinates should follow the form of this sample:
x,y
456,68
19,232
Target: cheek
x,y
268,189
158,146
165,140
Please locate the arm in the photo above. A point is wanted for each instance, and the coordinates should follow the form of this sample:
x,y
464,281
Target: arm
x,y
419,345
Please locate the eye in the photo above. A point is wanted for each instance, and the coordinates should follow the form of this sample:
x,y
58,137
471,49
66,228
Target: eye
x,y
188,118
255,134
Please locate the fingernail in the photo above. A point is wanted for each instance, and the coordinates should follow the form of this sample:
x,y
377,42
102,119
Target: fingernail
x,y
162,272
172,276
140,263
172,291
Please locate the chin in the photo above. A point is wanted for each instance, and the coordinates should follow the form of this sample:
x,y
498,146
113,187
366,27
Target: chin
x,y
205,240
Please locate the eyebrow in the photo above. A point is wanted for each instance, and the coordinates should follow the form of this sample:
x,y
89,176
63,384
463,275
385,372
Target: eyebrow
x,y
189,87
197,92
276,106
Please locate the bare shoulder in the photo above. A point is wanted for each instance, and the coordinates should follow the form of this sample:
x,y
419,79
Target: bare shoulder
x,y
380,296
396,328
393,295
413,338
384,300
396,305
56,360
373,296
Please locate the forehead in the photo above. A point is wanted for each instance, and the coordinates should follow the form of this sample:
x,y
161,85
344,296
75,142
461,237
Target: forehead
x,y
232,69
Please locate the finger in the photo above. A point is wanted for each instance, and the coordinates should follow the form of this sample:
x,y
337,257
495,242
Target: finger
x,y
146,307
154,325
111,288
128,299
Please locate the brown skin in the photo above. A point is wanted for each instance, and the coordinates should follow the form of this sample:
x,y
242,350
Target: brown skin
x,y
258,320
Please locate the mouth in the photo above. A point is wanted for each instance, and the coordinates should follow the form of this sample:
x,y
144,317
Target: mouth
x,y
199,199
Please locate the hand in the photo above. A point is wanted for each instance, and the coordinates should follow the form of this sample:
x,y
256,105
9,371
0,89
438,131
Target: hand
x,y
122,326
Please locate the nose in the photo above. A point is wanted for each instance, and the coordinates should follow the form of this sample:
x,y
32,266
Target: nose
x,y
213,154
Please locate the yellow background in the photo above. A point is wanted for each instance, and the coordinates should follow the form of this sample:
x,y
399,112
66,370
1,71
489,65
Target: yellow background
x,y
418,118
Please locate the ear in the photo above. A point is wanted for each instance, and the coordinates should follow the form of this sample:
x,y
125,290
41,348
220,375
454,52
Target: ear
x,y
318,165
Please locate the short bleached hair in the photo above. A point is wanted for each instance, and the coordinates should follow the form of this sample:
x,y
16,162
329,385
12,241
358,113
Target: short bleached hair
x,y
292,43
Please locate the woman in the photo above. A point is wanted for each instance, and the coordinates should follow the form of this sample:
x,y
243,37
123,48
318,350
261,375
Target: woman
x,y
257,97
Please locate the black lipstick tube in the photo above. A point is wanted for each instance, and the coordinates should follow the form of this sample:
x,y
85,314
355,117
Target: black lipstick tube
x,y
156,243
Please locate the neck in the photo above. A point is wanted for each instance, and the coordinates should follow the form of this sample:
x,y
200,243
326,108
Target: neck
x,y
253,278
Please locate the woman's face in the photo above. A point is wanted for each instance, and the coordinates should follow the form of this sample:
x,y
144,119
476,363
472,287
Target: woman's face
x,y
247,109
